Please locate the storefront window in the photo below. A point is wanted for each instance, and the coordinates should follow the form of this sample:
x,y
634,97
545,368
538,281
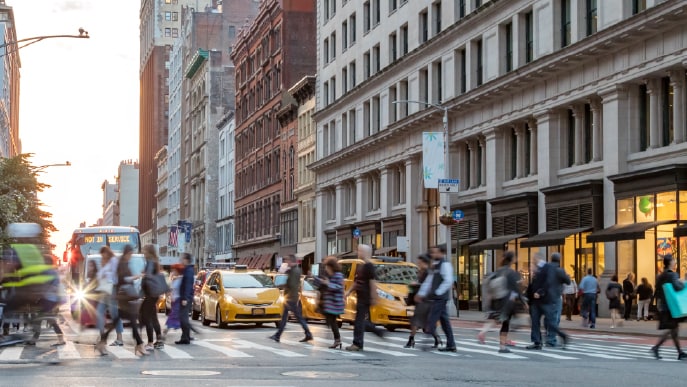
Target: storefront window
x,y
666,207
665,244
331,245
683,205
644,208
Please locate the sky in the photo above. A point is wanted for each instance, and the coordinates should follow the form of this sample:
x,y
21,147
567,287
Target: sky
x,y
79,101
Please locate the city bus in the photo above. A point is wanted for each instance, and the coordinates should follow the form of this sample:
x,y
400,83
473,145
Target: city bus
x,y
85,245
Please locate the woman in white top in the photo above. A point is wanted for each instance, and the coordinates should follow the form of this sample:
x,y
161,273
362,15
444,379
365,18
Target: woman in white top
x,y
107,279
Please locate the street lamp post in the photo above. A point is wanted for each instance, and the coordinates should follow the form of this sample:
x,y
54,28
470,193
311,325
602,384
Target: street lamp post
x,y
42,167
83,34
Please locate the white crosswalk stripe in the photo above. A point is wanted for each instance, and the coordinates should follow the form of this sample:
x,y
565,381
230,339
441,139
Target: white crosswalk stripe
x,y
278,351
11,353
522,351
68,351
322,349
224,350
121,353
175,353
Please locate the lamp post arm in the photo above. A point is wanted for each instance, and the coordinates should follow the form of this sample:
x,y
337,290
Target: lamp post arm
x,y
83,34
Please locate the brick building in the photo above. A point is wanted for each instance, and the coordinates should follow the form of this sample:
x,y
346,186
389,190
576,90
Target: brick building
x,y
271,54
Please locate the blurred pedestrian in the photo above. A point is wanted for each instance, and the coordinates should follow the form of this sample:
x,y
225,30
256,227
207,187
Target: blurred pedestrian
x,y
628,294
504,290
149,305
569,299
589,287
421,312
558,278
645,293
331,294
436,289
665,319
128,305
186,298
107,277
365,287
613,293
173,320
546,301
292,290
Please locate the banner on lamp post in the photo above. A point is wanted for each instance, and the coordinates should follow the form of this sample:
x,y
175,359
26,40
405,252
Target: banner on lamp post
x,y
432,158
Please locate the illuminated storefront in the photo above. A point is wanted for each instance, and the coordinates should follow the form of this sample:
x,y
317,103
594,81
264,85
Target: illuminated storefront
x,y
470,264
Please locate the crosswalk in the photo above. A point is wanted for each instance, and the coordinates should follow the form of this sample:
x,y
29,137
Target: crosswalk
x,y
214,344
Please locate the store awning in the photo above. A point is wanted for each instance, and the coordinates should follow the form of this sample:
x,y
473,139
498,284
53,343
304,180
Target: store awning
x,y
680,231
348,254
624,232
467,242
300,256
552,238
385,250
495,243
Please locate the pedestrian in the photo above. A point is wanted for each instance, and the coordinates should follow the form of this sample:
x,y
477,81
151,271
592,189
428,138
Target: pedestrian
x,y
127,304
149,305
613,293
436,289
503,289
588,287
665,319
365,287
546,292
49,305
292,290
558,278
421,312
645,293
331,289
569,299
173,320
107,276
186,298
628,294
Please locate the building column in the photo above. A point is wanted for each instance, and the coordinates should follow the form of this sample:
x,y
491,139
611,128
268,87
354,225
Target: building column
x,y
597,130
360,198
548,157
677,81
578,113
532,127
385,191
654,90
520,146
339,210
320,215
416,218
472,152
483,162
495,161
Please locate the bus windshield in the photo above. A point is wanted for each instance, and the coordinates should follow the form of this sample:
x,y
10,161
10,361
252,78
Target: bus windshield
x,y
90,243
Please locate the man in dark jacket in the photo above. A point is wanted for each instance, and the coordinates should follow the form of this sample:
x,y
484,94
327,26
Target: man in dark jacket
x,y
666,321
546,292
556,279
628,294
291,295
186,297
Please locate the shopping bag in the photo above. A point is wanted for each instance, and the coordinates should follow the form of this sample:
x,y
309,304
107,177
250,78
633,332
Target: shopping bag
x,y
677,301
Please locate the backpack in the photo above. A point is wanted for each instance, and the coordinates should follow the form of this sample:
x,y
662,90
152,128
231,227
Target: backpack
x,y
612,292
497,285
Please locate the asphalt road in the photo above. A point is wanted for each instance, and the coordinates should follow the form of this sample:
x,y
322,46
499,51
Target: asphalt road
x,y
244,356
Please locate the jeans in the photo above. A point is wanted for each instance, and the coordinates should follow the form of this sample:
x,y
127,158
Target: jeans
x,y
362,323
108,303
643,305
129,312
185,322
551,319
439,313
296,310
588,310
149,318
559,309
536,313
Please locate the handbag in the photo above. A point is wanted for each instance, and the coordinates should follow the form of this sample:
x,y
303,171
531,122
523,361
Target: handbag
x,y
154,285
128,292
676,301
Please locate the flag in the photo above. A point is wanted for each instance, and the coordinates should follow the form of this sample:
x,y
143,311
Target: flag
x,y
185,228
173,236
432,158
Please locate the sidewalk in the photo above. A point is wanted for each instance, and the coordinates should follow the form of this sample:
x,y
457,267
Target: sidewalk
x,y
637,328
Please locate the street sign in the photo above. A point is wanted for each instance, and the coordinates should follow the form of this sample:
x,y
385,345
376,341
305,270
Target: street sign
x,y
457,215
449,185
356,233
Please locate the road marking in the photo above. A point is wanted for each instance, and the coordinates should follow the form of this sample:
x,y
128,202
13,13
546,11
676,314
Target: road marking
x,y
175,353
278,351
611,350
226,351
322,349
514,350
492,353
590,354
121,353
11,353
68,351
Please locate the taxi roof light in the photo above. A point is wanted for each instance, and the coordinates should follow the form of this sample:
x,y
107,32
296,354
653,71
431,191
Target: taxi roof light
x,y
241,268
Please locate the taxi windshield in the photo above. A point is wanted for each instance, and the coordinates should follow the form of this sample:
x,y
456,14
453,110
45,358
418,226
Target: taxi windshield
x,y
396,274
308,285
235,281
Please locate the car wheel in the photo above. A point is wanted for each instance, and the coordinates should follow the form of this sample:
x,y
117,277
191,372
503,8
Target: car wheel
x,y
203,318
259,325
194,315
218,319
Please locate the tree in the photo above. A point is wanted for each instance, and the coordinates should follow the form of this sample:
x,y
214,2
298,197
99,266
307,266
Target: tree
x,y
19,188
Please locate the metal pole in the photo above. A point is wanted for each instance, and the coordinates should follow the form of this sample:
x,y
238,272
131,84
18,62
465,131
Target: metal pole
x,y
447,200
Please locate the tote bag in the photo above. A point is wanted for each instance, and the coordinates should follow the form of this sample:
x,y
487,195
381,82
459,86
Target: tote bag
x,y
677,301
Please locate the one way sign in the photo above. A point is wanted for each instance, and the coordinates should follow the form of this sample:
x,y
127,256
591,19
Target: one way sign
x,y
449,185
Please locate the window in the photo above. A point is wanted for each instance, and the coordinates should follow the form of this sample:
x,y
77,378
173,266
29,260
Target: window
x,y
352,122
374,191
479,60
366,64
168,16
459,9
643,111
393,4
175,16
424,86
666,111
436,14
168,32
332,45
376,12
398,178
478,3
351,22
424,27
344,35
461,62
376,115
392,47
351,72
571,138
325,93
403,90
376,59
529,37
366,16
392,106
592,17
325,9
366,119
638,6
565,23
588,137
349,198
325,50
332,88
175,32
344,81
437,84
513,141
232,32
508,29
404,39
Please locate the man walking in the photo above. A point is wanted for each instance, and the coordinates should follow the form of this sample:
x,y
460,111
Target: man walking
x,y
556,279
186,297
291,294
589,288
436,288
628,294
365,287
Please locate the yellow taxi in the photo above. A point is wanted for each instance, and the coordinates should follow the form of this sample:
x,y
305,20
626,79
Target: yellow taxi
x,y
308,297
393,277
239,296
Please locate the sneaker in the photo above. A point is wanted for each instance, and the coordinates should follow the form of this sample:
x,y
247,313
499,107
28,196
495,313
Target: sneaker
x,y
448,349
116,343
591,326
682,356
274,337
305,339
159,345
504,350
149,347
354,348
534,346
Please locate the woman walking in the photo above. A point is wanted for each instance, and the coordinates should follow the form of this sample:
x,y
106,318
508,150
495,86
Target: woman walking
x,y
331,293
645,293
127,305
419,319
504,288
173,321
665,319
613,292
107,278
149,304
